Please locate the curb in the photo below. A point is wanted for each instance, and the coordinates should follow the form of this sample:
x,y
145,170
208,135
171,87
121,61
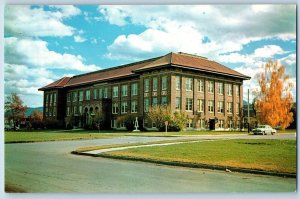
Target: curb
x,y
191,165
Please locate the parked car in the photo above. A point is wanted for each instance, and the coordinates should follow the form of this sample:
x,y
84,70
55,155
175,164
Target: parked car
x,y
264,130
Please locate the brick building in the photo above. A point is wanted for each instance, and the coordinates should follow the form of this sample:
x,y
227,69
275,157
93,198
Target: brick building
x,y
208,92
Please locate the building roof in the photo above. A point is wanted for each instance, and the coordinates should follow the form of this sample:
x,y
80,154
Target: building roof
x,y
180,59
57,84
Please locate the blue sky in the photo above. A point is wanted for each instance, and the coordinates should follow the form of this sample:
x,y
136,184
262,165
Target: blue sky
x,y
44,43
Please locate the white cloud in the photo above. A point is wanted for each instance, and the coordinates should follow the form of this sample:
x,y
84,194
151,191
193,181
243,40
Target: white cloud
x,y
22,20
79,39
268,51
227,27
36,54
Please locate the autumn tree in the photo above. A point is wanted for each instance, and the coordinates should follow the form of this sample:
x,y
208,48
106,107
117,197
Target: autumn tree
x,y
36,119
274,99
14,108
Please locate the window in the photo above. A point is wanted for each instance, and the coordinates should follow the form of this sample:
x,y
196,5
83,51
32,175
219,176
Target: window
x,y
50,111
178,83
115,108
177,103
54,112
50,98
189,84
46,111
87,95
221,124
80,110
237,108
221,107
134,106
229,107
154,84
237,90
211,106
134,89
220,88
80,96
164,100
124,90
68,111
105,93
124,107
46,99
146,105
68,97
230,124
100,93
54,97
146,85
200,105
113,123
164,83
95,93
202,123
154,101
75,110
200,85
189,124
115,91
74,96
189,104
229,91
211,86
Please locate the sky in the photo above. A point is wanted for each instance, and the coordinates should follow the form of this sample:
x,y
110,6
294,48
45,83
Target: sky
x,y
44,43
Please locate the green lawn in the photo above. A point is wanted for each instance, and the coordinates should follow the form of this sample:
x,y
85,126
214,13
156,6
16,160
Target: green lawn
x,y
268,155
41,136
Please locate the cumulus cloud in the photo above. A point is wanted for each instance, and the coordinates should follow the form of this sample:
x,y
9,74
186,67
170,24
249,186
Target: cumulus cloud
x,y
23,20
36,53
79,39
227,27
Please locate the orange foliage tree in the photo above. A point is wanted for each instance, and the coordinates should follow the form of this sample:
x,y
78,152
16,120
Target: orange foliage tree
x,y
274,99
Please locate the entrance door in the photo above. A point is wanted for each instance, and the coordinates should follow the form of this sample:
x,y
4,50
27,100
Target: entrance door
x,y
212,124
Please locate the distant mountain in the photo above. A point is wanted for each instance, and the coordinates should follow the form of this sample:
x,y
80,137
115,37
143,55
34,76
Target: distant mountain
x,y
30,110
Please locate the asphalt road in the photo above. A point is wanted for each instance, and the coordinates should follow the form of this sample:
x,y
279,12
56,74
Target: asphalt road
x,y
49,167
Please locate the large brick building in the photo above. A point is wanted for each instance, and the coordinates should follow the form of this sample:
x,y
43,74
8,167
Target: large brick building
x,y
208,92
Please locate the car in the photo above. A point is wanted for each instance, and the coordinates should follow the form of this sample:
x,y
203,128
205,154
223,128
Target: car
x,y
264,130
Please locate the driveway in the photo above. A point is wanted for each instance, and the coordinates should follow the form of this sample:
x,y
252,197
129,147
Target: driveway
x,y
49,167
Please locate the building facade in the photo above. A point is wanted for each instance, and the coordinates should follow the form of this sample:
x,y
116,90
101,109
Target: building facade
x,y
209,93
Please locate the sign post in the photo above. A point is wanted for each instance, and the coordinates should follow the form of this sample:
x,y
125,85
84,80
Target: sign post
x,y
166,125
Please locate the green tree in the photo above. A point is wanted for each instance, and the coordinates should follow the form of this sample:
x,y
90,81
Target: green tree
x,y
14,108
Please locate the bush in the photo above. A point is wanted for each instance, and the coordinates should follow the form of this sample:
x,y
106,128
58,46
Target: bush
x,y
128,121
53,124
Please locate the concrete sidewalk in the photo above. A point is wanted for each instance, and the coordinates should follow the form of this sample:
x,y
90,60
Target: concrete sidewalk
x,y
95,152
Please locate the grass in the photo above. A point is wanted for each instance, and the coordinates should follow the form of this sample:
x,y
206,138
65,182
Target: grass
x,y
56,135
41,136
267,155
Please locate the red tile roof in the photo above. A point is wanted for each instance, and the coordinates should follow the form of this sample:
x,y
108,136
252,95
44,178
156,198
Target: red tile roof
x,y
57,84
172,59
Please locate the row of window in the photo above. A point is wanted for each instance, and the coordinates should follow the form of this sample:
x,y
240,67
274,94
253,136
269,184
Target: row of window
x,y
76,110
201,124
50,97
50,111
102,93
201,86
164,84
200,105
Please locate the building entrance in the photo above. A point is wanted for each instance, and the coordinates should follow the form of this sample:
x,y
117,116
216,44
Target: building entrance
x,y
212,124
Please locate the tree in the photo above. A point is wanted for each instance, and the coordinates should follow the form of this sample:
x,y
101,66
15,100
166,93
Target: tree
x,y
14,108
36,119
274,99
98,119
160,114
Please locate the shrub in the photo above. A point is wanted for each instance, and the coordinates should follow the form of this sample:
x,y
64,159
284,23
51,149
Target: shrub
x,y
53,124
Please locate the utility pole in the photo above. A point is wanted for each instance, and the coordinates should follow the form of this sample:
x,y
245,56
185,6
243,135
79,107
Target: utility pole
x,y
248,113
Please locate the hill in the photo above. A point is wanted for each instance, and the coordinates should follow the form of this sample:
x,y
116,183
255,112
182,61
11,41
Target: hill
x,y
30,110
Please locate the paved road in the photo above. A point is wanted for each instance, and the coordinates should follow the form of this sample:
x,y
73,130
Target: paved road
x,y
49,167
